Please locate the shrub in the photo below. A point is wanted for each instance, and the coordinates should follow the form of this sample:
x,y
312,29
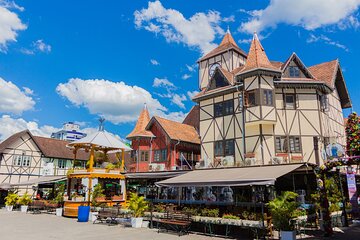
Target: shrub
x,y
59,194
11,199
137,205
25,199
191,211
282,210
97,192
230,216
160,208
109,167
205,212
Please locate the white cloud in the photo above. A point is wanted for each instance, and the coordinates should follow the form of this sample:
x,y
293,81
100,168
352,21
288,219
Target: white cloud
x,y
10,24
191,68
115,101
9,126
175,116
154,62
322,38
308,14
41,46
28,91
191,94
231,18
37,46
178,100
163,82
186,76
198,31
13,100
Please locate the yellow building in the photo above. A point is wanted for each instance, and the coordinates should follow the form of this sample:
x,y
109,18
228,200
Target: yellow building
x,y
285,111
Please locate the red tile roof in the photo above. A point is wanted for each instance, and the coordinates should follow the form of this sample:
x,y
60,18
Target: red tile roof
x,y
193,117
325,72
178,131
139,129
50,147
227,43
257,57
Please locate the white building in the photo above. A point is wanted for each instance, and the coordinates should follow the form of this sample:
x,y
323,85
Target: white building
x,y
70,132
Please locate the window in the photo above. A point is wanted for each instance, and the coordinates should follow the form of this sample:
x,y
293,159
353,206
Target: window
x,y
268,97
62,163
22,160
212,69
218,148
157,155
163,155
229,147
251,98
324,103
294,71
295,146
144,156
224,108
218,109
281,144
241,102
224,148
290,101
160,155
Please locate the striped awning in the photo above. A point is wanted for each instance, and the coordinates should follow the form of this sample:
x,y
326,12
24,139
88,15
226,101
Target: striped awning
x,y
40,180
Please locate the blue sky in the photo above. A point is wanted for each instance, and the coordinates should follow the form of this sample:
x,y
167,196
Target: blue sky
x,y
70,61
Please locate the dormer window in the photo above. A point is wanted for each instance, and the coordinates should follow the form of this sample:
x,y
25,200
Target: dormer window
x,y
294,71
212,69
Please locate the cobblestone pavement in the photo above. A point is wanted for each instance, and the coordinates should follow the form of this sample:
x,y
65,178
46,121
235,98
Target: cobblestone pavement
x,y
17,225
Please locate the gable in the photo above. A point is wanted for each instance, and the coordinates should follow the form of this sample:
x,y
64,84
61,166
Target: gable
x,y
291,64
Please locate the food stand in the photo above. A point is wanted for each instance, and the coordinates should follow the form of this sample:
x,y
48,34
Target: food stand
x,y
82,181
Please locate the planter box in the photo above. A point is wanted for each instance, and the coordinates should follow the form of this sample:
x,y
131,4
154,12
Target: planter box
x,y
136,222
59,212
23,208
9,208
145,224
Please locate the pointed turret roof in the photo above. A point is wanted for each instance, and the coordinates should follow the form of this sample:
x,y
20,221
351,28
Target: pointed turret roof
x,y
227,43
139,129
257,57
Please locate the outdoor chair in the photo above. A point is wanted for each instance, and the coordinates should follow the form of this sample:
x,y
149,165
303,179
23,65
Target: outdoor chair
x,y
107,215
36,206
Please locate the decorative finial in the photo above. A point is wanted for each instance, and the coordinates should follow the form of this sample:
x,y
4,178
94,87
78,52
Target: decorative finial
x,y
145,107
101,124
228,29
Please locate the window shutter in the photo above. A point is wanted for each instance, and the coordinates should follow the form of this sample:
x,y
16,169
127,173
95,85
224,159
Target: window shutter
x,y
246,99
296,101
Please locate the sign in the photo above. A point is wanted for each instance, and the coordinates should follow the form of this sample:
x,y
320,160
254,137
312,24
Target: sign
x,y
335,150
351,182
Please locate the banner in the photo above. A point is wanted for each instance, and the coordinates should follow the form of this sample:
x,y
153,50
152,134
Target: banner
x,y
351,183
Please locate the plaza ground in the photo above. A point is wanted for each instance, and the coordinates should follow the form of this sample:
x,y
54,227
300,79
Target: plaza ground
x,y
17,225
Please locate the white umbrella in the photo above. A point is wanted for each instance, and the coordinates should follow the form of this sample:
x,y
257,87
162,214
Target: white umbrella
x,y
101,140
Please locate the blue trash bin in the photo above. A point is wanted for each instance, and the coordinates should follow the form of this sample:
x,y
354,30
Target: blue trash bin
x,y
83,213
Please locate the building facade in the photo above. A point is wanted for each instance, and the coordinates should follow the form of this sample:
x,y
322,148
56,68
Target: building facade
x,y
254,111
24,157
161,145
70,132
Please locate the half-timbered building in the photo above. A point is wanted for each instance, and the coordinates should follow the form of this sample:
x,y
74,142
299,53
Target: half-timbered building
x,y
254,111
160,144
24,156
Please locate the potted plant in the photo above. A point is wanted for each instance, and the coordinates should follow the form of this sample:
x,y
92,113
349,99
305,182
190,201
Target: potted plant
x,y
138,206
283,210
24,201
97,196
109,167
59,199
11,199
